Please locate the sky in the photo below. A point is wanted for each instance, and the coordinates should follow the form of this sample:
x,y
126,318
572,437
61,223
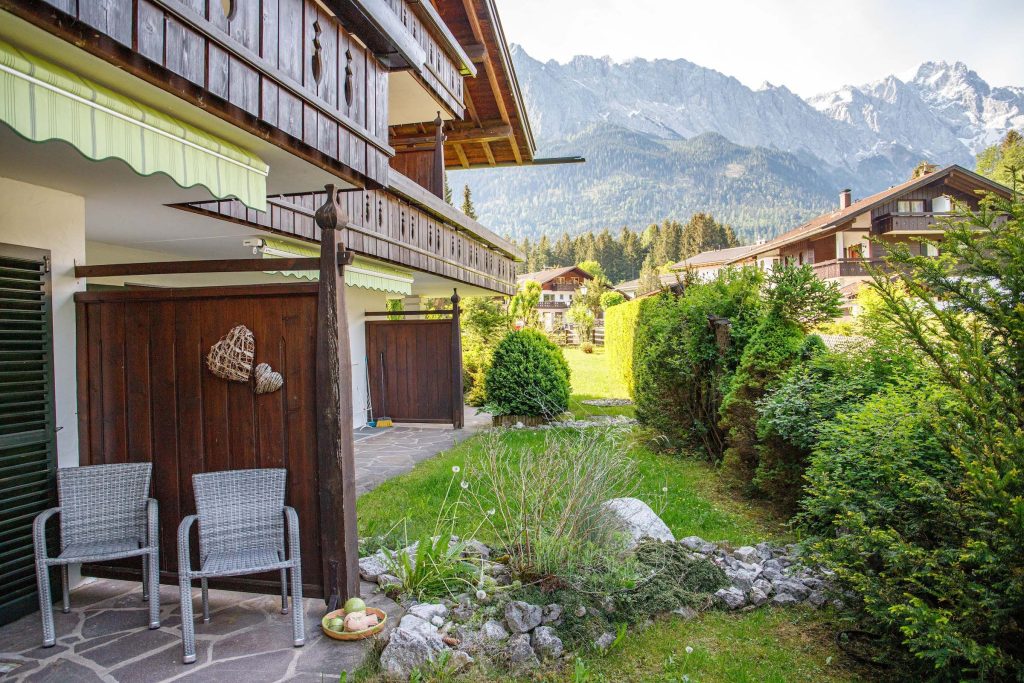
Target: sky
x,y
809,46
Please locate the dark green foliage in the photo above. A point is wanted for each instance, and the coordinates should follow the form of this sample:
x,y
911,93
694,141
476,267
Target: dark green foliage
x,y
919,496
672,579
809,396
679,368
797,295
528,376
484,324
774,347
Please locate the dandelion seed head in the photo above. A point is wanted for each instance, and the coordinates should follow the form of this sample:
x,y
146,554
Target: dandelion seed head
x,y
456,469
464,484
481,595
491,511
664,489
689,650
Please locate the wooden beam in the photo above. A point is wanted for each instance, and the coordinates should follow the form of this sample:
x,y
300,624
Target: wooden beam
x,y
477,52
440,311
462,155
335,452
458,402
488,152
501,131
251,265
471,108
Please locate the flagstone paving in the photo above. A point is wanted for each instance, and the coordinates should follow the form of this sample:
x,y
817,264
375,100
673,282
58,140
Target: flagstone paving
x,y
105,638
385,453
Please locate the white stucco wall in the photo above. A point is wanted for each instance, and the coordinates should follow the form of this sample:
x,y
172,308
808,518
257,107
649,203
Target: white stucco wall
x,y
41,218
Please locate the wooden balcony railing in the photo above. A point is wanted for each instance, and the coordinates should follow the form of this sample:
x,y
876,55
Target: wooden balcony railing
x,y
384,226
440,71
845,267
553,305
908,222
286,71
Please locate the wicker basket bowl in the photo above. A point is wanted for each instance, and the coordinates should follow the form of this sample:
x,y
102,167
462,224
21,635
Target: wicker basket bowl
x,y
354,635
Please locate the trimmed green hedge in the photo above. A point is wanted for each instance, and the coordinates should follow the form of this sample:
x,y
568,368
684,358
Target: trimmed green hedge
x,y
619,333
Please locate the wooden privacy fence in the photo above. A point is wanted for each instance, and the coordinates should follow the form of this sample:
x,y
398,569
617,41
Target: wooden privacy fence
x,y
145,394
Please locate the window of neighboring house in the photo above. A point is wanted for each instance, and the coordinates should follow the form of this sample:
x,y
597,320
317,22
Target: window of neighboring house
x,y
910,206
929,250
855,251
942,204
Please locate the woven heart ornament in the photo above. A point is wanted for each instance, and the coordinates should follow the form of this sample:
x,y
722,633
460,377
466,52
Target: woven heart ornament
x,y
267,380
231,357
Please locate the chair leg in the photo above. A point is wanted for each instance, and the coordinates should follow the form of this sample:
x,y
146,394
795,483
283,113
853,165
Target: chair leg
x,y
145,578
284,591
45,602
206,602
298,622
65,582
188,627
151,564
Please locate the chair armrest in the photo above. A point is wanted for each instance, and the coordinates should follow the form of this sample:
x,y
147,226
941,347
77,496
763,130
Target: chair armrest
x,y
39,530
184,561
291,519
152,522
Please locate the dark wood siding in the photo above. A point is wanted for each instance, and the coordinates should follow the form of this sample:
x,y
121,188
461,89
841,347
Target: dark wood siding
x,y
255,70
410,369
145,394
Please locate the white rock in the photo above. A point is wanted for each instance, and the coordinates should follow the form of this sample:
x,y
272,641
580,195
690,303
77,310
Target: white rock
x,y
520,652
545,643
757,597
636,519
746,554
604,641
731,597
493,630
407,650
371,567
427,611
522,617
552,613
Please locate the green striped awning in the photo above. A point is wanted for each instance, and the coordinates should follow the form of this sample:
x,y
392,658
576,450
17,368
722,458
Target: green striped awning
x,y
362,273
42,101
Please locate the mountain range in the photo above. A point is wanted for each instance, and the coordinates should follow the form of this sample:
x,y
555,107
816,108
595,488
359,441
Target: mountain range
x,y
665,138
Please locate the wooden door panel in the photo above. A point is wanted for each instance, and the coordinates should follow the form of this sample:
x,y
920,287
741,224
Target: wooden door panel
x,y
410,367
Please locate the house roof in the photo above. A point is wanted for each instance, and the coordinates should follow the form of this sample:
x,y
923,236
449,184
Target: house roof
x,y
496,130
549,274
632,286
714,257
835,218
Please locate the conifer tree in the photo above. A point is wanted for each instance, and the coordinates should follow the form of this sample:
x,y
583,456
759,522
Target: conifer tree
x,y
467,202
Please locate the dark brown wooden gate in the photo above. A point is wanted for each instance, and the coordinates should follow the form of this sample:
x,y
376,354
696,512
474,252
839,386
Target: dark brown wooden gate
x,y
410,370
145,394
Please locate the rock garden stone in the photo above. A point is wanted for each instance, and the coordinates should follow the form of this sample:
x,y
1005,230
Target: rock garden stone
x,y
745,554
604,641
427,611
742,578
731,597
493,630
545,643
437,621
408,650
772,575
476,549
763,585
520,652
459,660
552,614
817,598
757,597
371,567
385,580
580,612
793,587
637,520
784,600
698,544
522,617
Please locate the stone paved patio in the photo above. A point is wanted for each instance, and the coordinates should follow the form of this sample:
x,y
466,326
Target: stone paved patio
x,y
105,638
385,453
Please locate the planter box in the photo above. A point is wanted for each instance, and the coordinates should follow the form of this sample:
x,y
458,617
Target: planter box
x,y
511,420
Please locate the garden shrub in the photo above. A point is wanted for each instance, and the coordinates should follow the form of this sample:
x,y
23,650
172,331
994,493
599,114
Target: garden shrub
x,y
919,496
528,376
619,330
587,347
484,324
680,364
809,395
776,344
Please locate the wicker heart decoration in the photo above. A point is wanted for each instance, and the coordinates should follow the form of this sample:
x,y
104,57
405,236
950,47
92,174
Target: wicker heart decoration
x,y
267,380
231,357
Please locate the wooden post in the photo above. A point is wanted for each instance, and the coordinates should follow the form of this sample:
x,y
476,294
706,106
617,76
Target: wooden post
x,y
336,460
458,404
437,163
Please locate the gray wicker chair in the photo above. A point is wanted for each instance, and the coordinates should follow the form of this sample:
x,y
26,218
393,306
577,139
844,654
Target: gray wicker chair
x,y
105,514
242,524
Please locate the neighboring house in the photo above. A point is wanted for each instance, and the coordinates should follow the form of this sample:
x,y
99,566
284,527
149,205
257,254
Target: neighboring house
x,y
631,288
558,286
707,264
837,245
151,150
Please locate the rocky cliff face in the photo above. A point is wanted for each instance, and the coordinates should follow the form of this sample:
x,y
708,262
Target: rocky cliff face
x,y
774,157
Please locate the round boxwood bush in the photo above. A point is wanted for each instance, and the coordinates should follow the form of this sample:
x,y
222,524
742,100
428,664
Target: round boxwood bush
x,y
528,376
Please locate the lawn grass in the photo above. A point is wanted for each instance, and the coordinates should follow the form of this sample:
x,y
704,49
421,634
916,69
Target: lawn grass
x,y
791,644
590,379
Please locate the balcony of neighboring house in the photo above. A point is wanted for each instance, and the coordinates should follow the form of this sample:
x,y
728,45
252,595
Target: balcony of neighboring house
x,y
553,305
845,267
562,287
909,222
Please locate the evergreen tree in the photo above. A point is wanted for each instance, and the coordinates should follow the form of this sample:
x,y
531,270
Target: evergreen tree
x,y
467,202
649,280
447,190
564,253
632,255
666,248
1004,163
703,233
543,256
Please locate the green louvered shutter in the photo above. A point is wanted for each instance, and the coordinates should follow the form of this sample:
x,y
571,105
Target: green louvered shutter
x,y
28,454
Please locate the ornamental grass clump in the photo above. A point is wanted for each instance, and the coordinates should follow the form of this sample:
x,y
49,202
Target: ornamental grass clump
x,y
542,507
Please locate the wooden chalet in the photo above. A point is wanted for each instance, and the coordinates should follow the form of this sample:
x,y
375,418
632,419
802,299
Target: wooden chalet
x,y
558,287
172,168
